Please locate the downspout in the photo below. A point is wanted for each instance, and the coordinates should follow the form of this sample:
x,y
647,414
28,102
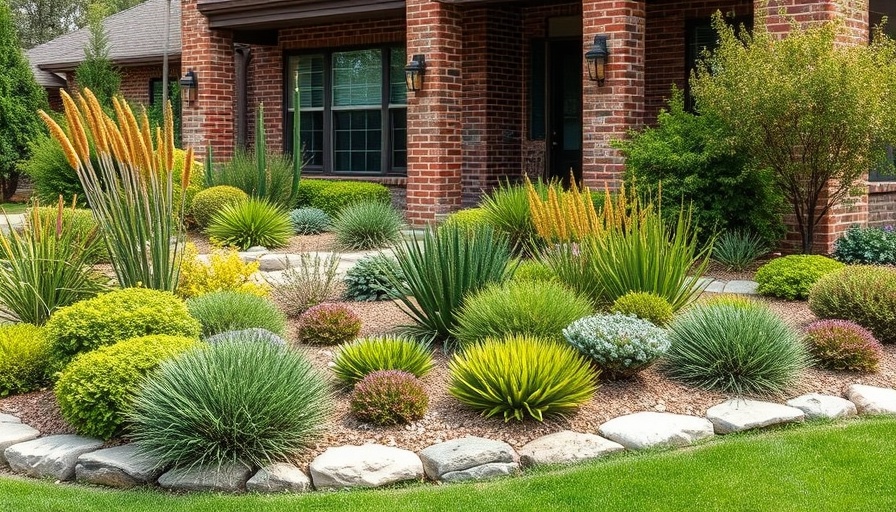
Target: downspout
x,y
242,55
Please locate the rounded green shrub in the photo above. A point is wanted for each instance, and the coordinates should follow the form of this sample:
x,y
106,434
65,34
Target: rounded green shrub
x,y
116,316
533,270
223,311
521,376
368,225
843,345
250,223
368,280
309,189
95,390
389,397
791,277
210,201
619,345
867,245
539,309
735,348
865,295
467,219
334,198
309,221
328,324
645,305
251,402
355,360
24,354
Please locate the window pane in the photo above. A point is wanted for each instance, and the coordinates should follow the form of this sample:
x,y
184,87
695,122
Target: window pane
x,y
398,91
311,80
357,78
399,138
356,141
312,137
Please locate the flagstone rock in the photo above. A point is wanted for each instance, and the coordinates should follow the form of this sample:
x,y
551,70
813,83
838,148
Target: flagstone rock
x,y
816,405
228,477
566,447
279,477
742,287
9,418
872,400
656,429
119,466
737,415
50,457
14,433
459,459
273,262
370,465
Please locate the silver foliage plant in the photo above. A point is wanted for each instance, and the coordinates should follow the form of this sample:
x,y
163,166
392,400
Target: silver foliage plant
x,y
620,345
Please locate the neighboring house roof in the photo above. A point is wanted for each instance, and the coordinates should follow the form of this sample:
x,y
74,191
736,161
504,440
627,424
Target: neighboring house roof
x,y
136,36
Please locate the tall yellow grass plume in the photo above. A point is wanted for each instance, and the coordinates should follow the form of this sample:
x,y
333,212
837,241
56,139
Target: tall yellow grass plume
x,y
564,215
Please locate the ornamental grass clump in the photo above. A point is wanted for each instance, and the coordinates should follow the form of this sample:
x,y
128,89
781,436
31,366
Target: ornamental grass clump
x,y
132,194
506,210
307,284
24,354
565,215
367,225
648,306
865,295
620,345
740,347
361,357
223,311
389,397
328,324
521,376
791,277
254,222
309,221
254,403
843,345
538,309
442,268
737,250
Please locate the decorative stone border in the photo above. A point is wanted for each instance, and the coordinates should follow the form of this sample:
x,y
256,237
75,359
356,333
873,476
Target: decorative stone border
x,y
68,457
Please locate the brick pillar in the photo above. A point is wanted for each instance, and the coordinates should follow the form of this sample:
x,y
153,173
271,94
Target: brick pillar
x,y
208,120
434,114
609,111
854,16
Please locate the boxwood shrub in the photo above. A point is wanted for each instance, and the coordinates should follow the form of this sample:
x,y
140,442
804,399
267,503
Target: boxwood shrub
x,y
791,277
333,198
24,354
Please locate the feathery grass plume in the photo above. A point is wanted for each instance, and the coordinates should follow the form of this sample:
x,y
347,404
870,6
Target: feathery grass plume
x,y
564,215
131,193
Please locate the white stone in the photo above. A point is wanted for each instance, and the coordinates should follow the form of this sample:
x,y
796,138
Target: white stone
x,y
9,418
463,454
279,477
565,447
50,457
229,477
119,466
482,472
274,262
742,287
872,400
656,429
14,433
737,415
815,405
370,465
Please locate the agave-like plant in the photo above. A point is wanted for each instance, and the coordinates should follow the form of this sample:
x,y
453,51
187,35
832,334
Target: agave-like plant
x,y
248,223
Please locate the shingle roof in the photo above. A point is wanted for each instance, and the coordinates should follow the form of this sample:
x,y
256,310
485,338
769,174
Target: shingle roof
x,y
136,36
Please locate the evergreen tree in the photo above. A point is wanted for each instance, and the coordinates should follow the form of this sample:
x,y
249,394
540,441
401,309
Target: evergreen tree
x,y
96,72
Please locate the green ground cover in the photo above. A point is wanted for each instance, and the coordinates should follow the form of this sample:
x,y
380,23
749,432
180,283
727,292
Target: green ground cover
x,y
13,207
845,466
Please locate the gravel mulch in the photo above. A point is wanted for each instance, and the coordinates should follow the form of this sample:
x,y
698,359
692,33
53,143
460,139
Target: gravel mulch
x,y
298,244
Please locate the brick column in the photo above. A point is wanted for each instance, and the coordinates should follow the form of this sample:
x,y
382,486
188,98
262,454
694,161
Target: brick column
x,y
434,114
208,120
609,111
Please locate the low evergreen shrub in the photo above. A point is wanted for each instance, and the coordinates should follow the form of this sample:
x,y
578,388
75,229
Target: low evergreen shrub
x,y
389,397
867,245
533,270
368,280
355,360
223,311
791,277
862,294
328,324
467,219
619,345
207,203
24,354
843,345
309,189
334,198
647,306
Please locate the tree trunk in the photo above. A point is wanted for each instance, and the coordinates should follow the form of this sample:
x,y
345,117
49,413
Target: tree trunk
x,y
8,185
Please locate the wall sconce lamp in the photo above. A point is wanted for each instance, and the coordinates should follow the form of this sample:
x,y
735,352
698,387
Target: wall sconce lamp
x,y
596,58
189,86
413,73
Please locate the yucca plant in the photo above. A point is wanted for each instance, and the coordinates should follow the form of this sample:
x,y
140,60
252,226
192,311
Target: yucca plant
x,y
45,267
506,209
738,249
132,192
362,357
521,376
440,269
250,223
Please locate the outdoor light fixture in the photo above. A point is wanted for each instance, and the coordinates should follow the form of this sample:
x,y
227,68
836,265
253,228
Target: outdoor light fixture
x,y
189,86
413,73
596,58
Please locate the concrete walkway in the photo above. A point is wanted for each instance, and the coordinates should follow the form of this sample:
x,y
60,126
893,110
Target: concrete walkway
x,y
736,287
11,221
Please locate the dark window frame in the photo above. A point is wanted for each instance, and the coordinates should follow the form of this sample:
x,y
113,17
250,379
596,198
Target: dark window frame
x,y
386,110
691,25
157,83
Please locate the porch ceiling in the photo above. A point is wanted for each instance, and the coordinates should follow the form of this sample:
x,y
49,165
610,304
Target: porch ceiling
x,y
254,14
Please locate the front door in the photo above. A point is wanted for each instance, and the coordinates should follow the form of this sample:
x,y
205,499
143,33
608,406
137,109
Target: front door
x,y
564,109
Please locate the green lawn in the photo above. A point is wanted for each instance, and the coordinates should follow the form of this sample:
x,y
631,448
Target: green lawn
x,y
846,466
13,207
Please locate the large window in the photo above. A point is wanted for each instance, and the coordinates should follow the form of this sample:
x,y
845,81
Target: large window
x,y
878,10
353,115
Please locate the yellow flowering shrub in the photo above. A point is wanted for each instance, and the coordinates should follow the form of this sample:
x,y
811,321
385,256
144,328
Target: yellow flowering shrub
x,y
224,271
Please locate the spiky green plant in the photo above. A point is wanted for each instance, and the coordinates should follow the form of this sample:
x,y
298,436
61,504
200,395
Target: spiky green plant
x,y
440,269
521,376
367,225
738,249
506,209
250,223
367,355
233,310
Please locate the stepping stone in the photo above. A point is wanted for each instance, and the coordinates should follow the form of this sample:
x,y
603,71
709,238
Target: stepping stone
x,y
370,465
279,477
228,477
565,447
742,287
253,254
872,400
737,415
9,418
272,262
119,466
656,429
715,287
470,458
815,405
14,433
53,456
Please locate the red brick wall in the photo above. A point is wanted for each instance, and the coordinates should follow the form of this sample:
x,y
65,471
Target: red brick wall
x,y
882,204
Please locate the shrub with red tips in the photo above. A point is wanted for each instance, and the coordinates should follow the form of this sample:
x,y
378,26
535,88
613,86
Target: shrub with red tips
x,y
843,345
389,397
328,324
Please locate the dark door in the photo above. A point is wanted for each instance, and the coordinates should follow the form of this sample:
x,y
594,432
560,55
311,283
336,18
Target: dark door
x,y
564,112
